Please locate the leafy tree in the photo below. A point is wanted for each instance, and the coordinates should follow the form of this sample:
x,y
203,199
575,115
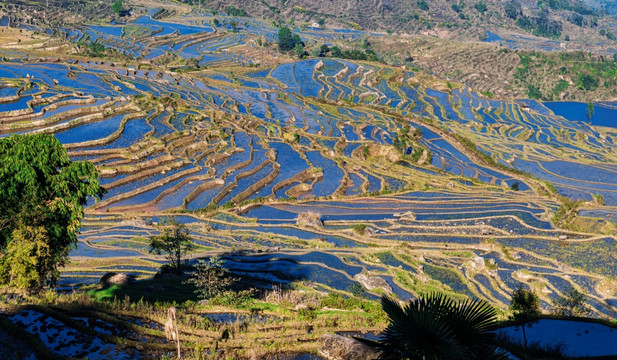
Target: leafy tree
x,y
285,39
525,307
590,110
297,40
515,186
234,26
299,50
118,7
211,278
324,50
437,327
42,193
572,304
174,241
321,22
336,52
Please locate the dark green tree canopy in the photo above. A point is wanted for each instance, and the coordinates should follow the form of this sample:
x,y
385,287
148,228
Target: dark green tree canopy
x,y
286,40
42,193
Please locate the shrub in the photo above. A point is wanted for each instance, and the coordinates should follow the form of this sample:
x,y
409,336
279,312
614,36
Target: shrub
x,y
211,278
423,5
480,6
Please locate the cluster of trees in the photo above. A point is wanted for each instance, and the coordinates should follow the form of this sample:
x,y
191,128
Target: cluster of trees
x,y
540,25
609,35
577,6
351,54
234,11
288,41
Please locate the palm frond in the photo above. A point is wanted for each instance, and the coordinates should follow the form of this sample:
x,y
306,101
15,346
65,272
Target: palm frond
x,y
418,330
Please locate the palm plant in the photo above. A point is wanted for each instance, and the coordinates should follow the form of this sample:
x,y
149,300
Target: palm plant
x,y
437,327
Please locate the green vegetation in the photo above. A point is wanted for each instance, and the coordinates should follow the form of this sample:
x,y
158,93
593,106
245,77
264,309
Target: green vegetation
x,y
93,49
299,50
285,40
359,228
590,73
118,7
338,301
42,194
590,110
541,25
587,82
480,6
357,290
422,5
234,11
513,9
566,212
211,278
174,242
437,327
576,6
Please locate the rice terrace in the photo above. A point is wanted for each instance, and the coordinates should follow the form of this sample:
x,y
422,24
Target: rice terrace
x,y
320,166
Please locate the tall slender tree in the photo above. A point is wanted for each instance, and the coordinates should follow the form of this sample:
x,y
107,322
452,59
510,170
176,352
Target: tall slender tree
x,y
285,39
525,307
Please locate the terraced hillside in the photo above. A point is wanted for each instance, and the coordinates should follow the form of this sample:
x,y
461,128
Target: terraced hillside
x,y
318,174
495,69
573,21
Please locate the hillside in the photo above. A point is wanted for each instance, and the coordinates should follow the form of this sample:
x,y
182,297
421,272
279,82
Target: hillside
x,y
566,20
500,72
